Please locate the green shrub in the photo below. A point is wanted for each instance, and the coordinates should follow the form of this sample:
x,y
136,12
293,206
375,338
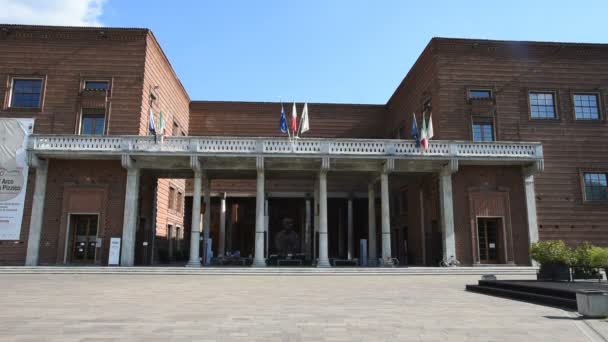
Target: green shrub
x,y
581,255
582,264
551,252
598,257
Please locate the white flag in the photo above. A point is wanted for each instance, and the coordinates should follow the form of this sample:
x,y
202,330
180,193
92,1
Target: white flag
x,y
304,125
429,129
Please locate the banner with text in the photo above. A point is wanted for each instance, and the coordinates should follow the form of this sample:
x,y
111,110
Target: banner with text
x,y
13,174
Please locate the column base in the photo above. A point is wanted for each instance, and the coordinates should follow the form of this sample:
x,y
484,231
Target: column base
x,y
259,263
193,264
323,263
387,262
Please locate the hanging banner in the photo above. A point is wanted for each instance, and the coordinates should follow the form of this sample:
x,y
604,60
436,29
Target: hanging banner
x,y
13,174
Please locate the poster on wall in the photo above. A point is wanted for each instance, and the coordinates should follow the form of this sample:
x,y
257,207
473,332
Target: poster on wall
x,y
13,174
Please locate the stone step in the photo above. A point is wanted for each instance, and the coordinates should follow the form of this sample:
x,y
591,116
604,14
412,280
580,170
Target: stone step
x,y
269,270
524,296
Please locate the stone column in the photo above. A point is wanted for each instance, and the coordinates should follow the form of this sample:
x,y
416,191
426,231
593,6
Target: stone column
x,y
195,232
307,225
446,206
315,221
258,260
206,219
221,247
323,243
33,241
127,250
530,208
266,224
229,228
386,221
351,247
371,214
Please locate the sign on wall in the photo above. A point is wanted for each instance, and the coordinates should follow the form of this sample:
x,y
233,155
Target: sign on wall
x,y
114,257
13,174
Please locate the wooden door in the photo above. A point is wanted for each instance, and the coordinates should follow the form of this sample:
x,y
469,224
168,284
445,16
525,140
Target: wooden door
x,y
84,238
489,239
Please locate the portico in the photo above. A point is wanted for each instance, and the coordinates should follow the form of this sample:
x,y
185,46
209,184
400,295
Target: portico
x,y
372,164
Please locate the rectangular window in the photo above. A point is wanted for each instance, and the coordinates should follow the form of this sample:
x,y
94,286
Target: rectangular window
x,y
96,85
92,123
586,107
180,201
483,131
175,131
542,105
171,198
26,93
596,186
480,94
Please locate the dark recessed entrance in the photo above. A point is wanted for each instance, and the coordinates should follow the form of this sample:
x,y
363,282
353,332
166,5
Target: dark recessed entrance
x,y
83,239
489,235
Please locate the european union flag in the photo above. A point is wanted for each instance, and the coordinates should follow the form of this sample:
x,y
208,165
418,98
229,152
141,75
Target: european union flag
x,y
283,121
415,135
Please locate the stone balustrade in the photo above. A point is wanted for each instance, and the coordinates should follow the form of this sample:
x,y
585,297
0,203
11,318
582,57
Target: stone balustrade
x,y
243,146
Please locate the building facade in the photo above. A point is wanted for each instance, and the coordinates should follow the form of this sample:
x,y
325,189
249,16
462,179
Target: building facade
x,y
518,154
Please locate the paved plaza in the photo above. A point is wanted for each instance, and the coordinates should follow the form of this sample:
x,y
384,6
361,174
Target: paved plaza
x,y
108,307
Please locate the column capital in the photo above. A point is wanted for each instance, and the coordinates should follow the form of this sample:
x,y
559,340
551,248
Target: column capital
x,y
388,165
195,164
35,162
127,162
534,168
325,164
259,163
449,168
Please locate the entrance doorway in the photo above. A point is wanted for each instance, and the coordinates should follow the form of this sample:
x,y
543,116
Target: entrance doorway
x,y
84,238
489,231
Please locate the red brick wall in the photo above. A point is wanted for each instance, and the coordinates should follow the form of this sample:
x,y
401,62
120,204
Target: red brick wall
x,y
511,69
66,56
262,119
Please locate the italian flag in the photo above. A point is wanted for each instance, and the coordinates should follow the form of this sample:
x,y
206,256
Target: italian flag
x,y
426,132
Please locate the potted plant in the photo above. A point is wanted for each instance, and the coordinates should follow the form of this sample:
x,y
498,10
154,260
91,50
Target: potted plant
x,y
555,259
599,258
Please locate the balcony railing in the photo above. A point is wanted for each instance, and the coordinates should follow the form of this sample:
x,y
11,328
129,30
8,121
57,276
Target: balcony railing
x,y
281,146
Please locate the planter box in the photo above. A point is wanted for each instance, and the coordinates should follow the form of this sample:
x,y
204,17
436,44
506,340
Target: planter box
x,y
592,303
554,272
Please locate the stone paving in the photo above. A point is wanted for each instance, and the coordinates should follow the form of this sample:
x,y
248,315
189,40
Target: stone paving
x,y
64,307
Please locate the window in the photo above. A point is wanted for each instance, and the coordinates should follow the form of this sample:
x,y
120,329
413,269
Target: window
x,y
480,94
483,131
171,198
180,201
596,186
26,93
542,105
586,107
96,85
175,131
92,123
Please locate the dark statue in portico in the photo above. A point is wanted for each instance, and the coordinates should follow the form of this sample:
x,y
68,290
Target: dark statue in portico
x,y
287,241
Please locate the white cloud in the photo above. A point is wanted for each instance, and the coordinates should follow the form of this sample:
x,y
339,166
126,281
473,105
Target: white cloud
x,y
52,12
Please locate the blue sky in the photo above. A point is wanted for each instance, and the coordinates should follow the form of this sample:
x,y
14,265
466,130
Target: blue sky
x,y
325,50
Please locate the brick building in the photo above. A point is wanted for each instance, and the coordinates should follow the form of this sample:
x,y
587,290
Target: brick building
x,y
519,153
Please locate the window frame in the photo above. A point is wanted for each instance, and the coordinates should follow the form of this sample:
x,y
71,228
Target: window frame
x,y
600,107
555,104
171,199
476,119
12,79
480,89
582,173
83,114
482,122
87,80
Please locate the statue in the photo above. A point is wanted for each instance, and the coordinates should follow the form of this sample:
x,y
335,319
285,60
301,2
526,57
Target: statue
x,y
287,240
